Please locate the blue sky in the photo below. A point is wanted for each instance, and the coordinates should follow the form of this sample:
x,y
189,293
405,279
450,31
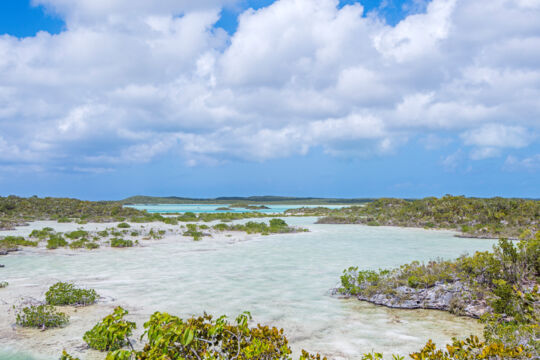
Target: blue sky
x,y
107,99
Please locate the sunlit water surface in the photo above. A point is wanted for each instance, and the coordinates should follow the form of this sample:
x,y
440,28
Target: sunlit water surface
x,y
282,280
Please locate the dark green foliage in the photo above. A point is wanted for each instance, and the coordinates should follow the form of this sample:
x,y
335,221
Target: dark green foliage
x,y
13,241
41,316
77,234
470,349
112,333
124,225
3,284
15,210
55,241
169,337
507,277
91,245
495,217
63,293
78,244
251,227
192,230
121,243
42,234
66,356
170,221
103,233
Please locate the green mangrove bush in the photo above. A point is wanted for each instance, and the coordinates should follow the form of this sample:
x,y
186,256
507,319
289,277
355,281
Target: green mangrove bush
x,y
41,316
55,241
121,243
112,333
64,293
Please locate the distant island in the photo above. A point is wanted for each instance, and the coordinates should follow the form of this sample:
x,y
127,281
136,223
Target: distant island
x,y
473,217
249,200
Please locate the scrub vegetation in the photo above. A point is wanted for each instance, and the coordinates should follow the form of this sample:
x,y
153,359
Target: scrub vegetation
x,y
506,279
42,317
250,200
276,226
199,337
474,217
204,337
63,293
15,210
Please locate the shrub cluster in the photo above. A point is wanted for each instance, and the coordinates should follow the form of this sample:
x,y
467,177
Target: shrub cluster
x,y
112,333
275,226
55,241
193,231
41,316
10,242
507,277
121,243
63,293
495,217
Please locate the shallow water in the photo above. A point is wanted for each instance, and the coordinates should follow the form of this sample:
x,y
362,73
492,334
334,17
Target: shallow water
x,y
282,279
212,208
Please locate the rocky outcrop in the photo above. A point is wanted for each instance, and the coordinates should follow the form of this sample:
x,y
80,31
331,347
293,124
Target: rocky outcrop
x,y
453,297
7,251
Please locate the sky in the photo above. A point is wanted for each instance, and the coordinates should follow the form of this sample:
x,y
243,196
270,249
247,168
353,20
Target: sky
x,y
104,99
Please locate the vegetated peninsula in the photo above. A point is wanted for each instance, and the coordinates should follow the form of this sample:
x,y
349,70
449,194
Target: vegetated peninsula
x,y
473,217
500,287
16,210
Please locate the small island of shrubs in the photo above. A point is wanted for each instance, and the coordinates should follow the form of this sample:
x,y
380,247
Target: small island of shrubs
x,y
45,316
500,287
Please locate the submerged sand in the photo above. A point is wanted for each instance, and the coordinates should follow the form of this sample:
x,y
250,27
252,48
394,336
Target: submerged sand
x,y
282,279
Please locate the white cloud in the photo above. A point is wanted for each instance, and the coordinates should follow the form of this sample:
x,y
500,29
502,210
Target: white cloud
x,y
497,135
134,80
527,163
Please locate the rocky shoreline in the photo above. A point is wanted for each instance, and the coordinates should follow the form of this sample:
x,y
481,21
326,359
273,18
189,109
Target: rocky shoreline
x,y
454,297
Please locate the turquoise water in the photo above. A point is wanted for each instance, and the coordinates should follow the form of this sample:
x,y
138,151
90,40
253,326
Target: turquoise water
x,y
180,208
282,279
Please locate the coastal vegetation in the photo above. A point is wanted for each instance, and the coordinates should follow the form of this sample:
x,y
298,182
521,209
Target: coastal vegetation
x,y
195,338
41,316
204,337
64,293
474,217
501,287
121,243
112,333
276,226
250,200
16,211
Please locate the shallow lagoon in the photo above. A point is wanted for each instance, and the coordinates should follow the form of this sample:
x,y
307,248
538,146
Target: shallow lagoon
x,y
282,279
213,208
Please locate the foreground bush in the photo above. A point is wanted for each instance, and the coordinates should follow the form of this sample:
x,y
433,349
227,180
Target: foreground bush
x,y
197,338
41,316
3,284
63,293
111,333
471,348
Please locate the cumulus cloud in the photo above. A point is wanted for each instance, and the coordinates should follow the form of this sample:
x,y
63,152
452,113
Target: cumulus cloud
x,y
130,81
